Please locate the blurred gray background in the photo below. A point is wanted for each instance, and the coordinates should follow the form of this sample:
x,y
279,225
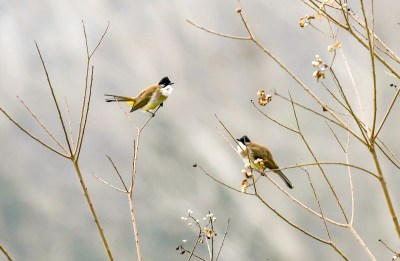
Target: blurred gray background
x,y
43,214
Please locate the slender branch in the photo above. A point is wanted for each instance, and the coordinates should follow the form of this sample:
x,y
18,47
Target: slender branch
x,y
119,175
85,102
361,242
8,256
330,163
319,166
42,125
194,246
281,189
108,184
371,51
135,230
212,237
32,136
92,210
277,122
391,250
308,174
83,126
219,34
318,202
192,254
325,117
220,182
385,190
54,99
71,136
223,239
387,113
100,41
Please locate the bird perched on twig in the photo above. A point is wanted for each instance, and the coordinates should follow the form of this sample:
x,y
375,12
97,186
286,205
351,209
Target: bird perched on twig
x,y
259,158
148,99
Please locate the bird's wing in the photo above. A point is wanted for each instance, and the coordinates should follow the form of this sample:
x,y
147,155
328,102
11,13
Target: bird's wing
x,y
144,97
261,152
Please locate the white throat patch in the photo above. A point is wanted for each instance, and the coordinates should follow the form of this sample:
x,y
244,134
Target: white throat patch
x,y
241,147
167,90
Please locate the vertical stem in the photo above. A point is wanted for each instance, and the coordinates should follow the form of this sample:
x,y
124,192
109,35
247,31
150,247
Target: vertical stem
x,y
385,190
2,249
361,242
89,201
135,230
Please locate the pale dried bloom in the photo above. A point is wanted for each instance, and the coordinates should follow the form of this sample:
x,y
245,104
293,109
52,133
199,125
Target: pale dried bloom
x,y
209,233
245,183
337,45
305,20
321,67
264,98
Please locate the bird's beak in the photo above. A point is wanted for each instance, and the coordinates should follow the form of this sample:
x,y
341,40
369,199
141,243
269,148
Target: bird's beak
x,y
237,139
171,83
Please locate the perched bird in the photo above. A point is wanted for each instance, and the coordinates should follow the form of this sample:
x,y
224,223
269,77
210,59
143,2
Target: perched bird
x,y
149,98
259,157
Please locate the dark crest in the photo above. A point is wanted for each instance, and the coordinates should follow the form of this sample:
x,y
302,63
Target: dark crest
x,y
165,82
244,139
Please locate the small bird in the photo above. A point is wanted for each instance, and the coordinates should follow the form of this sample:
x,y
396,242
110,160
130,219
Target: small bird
x,y
260,158
149,98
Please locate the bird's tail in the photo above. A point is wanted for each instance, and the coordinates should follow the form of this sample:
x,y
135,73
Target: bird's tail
x,y
116,98
284,178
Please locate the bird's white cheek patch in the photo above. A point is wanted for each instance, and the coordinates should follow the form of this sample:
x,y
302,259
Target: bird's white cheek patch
x,y
167,91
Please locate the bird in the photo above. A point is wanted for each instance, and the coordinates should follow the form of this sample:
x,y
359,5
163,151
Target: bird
x,y
148,99
259,158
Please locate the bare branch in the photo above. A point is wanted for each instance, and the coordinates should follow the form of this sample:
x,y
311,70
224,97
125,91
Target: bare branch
x,y
54,99
223,239
42,125
119,175
32,136
219,34
108,184
8,256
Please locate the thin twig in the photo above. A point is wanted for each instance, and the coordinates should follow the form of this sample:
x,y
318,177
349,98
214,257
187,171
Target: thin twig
x,y
82,127
8,256
54,99
42,125
71,136
119,175
32,136
85,102
92,210
219,34
391,250
134,225
223,239
192,254
319,166
108,184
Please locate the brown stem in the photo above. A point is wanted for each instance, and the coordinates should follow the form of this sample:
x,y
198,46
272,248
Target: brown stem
x,y
385,190
92,210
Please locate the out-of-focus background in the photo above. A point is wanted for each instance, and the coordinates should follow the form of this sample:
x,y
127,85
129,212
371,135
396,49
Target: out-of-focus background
x,y
43,214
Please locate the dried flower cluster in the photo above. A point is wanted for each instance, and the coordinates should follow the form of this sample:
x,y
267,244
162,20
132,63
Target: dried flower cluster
x,y
337,45
205,230
321,67
263,98
305,20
